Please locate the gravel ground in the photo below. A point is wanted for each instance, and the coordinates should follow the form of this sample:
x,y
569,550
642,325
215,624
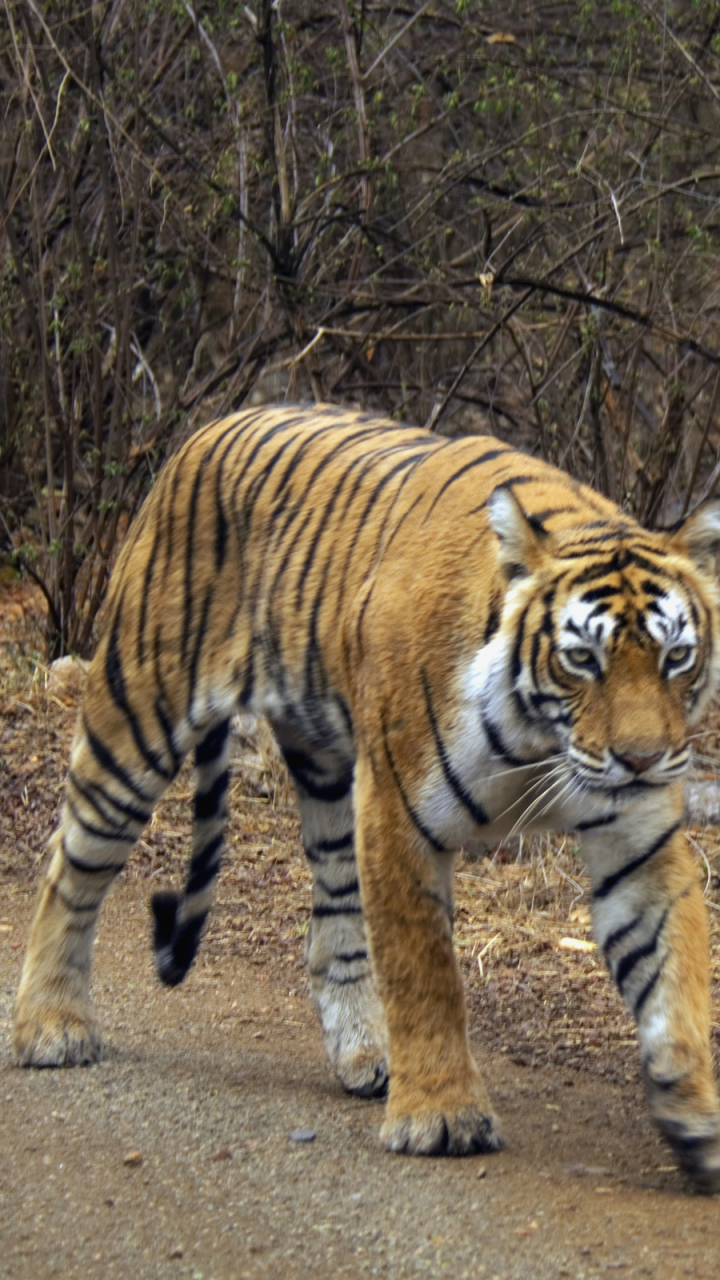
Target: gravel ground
x,y
175,1156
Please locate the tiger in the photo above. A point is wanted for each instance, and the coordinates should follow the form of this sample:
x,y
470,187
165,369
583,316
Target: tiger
x,y
451,640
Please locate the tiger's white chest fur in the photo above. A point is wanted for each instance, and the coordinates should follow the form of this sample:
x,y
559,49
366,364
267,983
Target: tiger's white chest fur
x,y
515,770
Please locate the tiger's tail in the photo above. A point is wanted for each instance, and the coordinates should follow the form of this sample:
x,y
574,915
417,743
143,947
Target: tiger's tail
x,y
179,917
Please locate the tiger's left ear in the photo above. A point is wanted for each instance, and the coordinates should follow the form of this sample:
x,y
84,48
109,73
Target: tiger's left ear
x,y
698,537
521,536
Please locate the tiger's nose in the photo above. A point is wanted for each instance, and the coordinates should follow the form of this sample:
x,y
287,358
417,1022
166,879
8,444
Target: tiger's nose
x,y
637,762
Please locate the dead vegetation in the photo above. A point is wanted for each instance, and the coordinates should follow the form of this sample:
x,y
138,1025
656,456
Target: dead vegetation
x,y
474,216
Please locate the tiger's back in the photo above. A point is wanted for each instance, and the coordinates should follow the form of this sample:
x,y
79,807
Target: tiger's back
x,y
449,639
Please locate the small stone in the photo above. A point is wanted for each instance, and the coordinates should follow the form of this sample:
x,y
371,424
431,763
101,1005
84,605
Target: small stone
x,y
302,1135
223,1154
482,1172
176,1252
133,1158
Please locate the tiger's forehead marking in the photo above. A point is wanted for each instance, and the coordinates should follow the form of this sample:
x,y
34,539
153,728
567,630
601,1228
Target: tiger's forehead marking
x,y
668,620
587,621
595,616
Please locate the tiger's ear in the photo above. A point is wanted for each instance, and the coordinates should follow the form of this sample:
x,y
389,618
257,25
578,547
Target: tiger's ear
x,y
521,536
698,537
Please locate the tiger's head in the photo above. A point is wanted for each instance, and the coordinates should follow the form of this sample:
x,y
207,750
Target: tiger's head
x,y
616,638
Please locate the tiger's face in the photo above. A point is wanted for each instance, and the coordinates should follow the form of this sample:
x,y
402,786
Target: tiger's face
x,y
617,649
631,662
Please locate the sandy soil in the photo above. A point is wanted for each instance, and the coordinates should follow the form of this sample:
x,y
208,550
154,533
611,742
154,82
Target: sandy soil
x,y
178,1155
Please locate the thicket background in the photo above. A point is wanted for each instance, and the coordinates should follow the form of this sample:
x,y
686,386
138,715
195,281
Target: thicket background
x,y
474,216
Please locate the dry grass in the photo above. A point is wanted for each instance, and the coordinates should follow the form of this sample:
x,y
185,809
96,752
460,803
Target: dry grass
x,y
528,995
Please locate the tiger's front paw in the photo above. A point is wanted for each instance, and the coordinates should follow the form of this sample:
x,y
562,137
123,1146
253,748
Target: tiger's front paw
x,y
54,1036
456,1129
682,1096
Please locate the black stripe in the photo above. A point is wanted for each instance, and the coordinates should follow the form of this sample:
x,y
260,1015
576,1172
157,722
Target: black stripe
x,y
145,599
221,523
408,510
648,989
633,958
174,473
361,522
87,909
212,745
349,957
114,834
204,866
197,648
207,803
91,868
492,624
381,546
516,662
598,593
326,459
327,511
107,761
302,765
489,456
91,790
190,542
163,719
360,621
337,892
320,912
458,788
412,814
618,934
607,885
622,559
597,822
492,734
116,683
509,482
325,848
259,481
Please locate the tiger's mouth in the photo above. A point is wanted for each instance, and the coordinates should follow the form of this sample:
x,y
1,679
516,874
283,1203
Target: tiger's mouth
x,y
624,775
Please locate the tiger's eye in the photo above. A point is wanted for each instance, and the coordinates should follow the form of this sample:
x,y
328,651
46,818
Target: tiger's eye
x,y
679,653
580,656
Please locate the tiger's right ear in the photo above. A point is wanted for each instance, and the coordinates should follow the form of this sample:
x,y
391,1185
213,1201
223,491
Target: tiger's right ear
x,y
699,536
521,536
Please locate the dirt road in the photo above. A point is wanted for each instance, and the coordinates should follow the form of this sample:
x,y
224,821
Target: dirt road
x,y
175,1157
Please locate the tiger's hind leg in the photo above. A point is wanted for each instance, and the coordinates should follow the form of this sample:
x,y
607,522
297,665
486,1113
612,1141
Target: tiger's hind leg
x,y
336,949
105,810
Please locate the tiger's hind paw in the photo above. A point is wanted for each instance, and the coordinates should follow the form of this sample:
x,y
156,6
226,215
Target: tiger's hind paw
x,y
365,1075
55,1038
459,1131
